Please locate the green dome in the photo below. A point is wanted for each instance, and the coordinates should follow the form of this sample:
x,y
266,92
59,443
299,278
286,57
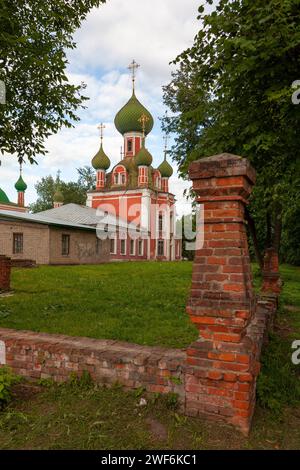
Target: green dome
x,y
101,160
127,119
143,157
165,169
58,196
20,185
3,197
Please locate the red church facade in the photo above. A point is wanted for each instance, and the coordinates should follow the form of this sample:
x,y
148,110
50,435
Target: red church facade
x,y
136,192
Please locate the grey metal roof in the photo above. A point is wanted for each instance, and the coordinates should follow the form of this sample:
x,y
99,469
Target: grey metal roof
x,y
86,216
36,218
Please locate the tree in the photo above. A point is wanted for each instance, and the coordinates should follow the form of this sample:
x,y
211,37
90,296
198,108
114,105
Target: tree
x,y
87,177
73,192
232,92
34,38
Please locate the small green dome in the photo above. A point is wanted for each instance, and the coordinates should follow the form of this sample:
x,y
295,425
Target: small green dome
x,y
58,196
101,160
20,185
143,157
127,119
3,197
165,169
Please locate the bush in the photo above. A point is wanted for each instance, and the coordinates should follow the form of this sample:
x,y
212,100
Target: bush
x,y
7,380
278,383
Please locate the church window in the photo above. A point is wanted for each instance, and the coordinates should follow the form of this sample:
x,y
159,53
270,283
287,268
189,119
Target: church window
x,y
123,247
129,145
116,178
65,245
160,248
160,222
17,243
132,247
123,178
141,247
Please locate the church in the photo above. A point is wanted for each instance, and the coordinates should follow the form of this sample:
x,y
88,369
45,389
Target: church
x,y
131,210
135,191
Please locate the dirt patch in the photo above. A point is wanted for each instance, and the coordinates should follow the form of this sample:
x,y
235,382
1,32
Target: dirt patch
x,y
158,430
25,391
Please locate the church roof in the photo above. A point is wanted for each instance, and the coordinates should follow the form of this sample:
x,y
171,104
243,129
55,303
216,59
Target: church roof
x,y
127,119
101,160
20,185
3,196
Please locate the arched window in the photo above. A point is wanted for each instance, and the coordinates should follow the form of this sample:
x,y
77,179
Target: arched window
x,y
120,175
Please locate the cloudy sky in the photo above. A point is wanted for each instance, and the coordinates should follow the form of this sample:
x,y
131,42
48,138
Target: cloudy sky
x,y
153,32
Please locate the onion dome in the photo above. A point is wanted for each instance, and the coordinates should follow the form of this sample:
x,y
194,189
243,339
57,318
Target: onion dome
x,y
127,119
143,157
58,196
165,169
101,160
3,197
20,185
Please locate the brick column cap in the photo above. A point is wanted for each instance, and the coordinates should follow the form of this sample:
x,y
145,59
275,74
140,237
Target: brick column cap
x,y
222,165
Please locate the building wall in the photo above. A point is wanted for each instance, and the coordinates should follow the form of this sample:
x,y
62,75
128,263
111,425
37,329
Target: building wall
x,y
83,247
43,244
35,240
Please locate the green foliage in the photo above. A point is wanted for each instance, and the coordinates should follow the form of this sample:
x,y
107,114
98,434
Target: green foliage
x,y
278,383
232,92
7,380
74,192
82,381
34,38
65,299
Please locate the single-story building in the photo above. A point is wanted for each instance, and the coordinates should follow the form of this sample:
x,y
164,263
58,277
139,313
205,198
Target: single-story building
x,y
46,240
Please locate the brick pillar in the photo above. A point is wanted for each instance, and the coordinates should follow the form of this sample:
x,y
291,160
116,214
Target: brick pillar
x,y
5,267
221,364
271,277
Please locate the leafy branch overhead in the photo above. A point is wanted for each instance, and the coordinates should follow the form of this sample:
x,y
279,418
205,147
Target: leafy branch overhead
x,y
34,39
232,92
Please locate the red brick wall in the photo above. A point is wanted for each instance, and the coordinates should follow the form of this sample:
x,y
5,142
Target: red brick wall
x,y
224,362
42,355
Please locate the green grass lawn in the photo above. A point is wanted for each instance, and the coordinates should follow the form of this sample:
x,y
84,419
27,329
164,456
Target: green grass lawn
x,y
139,302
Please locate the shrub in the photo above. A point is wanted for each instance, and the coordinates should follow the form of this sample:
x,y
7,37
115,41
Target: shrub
x,y
278,383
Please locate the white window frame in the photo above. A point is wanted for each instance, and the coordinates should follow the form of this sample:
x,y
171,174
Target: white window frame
x,y
125,244
161,240
141,243
134,247
115,246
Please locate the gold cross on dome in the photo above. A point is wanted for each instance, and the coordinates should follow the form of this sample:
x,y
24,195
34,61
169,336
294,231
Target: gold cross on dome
x,y
101,127
143,120
133,67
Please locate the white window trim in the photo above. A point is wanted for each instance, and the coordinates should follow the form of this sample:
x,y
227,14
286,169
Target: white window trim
x,y
134,247
142,252
115,247
123,240
164,247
